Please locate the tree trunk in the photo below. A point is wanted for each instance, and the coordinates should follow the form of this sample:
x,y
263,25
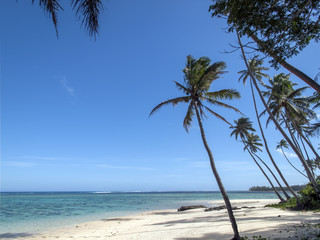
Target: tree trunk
x,y
304,77
265,141
288,186
274,189
216,175
292,164
308,142
311,178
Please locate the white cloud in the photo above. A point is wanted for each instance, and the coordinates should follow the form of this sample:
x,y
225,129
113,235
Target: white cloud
x,y
122,167
288,154
43,158
67,87
19,164
199,164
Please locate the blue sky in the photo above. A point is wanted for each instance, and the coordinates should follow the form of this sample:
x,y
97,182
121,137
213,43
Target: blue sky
x,y
74,111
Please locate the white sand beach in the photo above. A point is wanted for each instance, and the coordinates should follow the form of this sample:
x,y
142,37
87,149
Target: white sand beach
x,y
253,219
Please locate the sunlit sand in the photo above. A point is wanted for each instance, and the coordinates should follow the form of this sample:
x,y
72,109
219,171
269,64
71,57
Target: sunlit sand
x,y
253,219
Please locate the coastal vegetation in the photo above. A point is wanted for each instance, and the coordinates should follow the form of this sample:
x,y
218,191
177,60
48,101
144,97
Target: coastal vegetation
x,y
268,189
308,200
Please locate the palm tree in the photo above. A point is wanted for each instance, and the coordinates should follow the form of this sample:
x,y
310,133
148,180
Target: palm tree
x,y
257,69
242,128
286,104
283,144
88,12
198,77
300,156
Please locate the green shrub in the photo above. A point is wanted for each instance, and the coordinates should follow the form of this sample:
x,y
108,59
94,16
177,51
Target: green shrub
x,y
290,203
309,198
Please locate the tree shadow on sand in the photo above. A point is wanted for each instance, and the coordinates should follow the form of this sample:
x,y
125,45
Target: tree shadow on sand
x,y
14,235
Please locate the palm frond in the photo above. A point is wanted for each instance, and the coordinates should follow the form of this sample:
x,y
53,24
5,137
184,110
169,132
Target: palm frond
x,y
210,74
89,12
315,129
173,101
296,93
200,107
244,76
183,88
223,94
221,104
188,118
217,115
51,7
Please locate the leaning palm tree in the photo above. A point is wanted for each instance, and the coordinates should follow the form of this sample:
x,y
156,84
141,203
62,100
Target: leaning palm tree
x,y
198,77
242,128
283,144
256,68
88,11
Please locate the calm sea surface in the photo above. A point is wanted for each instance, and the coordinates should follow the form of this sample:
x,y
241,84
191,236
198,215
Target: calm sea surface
x,y
32,212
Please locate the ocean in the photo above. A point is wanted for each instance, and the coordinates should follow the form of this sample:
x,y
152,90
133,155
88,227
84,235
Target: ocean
x,y
31,212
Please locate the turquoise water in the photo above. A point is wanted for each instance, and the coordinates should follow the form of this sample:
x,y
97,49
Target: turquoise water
x,y
32,212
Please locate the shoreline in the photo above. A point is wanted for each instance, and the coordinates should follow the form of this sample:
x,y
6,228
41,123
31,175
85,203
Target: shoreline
x,y
253,219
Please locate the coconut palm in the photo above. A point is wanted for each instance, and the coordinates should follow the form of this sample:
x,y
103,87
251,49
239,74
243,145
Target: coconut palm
x,y
300,156
257,69
242,128
198,77
88,12
286,104
283,144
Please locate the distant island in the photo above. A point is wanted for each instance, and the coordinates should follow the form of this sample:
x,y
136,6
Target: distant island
x,y
269,189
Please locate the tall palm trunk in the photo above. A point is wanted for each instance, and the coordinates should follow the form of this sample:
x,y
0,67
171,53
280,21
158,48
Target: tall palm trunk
x,y
308,142
294,140
292,164
304,77
310,176
305,150
274,189
290,189
216,175
265,142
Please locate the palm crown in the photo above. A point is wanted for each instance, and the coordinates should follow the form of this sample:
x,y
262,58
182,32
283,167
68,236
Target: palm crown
x,y
198,77
282,144
253,142
256,69
242,127
284,99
